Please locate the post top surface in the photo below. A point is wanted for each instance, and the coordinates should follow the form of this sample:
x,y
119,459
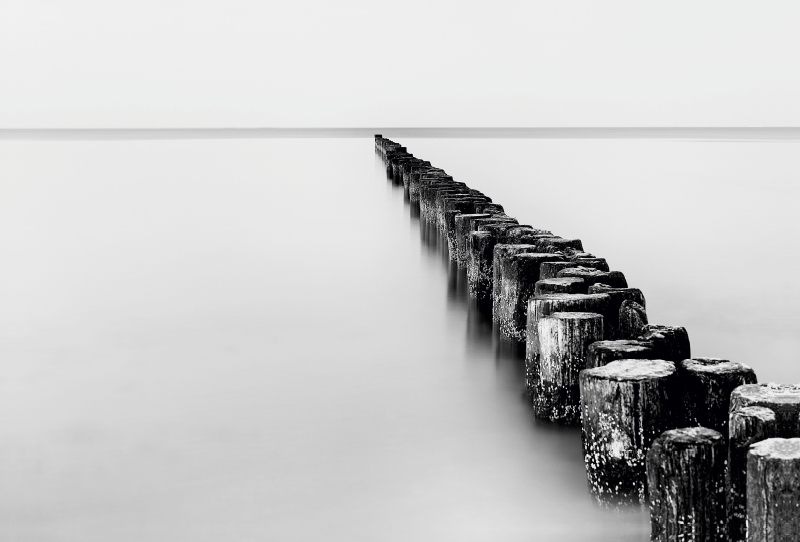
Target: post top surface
x,y
575,316
691,435
714,366
768,392
776,448
632,370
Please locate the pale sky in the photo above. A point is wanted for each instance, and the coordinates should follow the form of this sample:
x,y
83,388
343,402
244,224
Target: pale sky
x,y
229,63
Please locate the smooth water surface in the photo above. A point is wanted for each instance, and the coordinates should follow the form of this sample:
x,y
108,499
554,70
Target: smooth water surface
x,y
249,340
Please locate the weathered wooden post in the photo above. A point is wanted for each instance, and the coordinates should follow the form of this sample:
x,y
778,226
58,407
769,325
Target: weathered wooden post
x,y
773,491
625,405
614,279
517,279
545,305
480,246
707,387
617,296
747,426
670,343
480,257
604,352
559,243
783,400
551,271
686,485
632,320
463,226
502,254
567,285
563,339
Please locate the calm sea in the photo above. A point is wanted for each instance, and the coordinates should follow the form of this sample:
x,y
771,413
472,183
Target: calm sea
x,y
230,339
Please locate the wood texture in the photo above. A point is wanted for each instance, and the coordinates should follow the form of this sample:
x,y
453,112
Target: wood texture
x,y
569,285
783,400
707,387
617,296
614,279
604,352
545,305
686,486
625,405
516,277
563,340
632,319
747,426
463,227
670,343
773,491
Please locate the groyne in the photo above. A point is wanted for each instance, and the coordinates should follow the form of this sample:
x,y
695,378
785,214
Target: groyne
x,y
712,452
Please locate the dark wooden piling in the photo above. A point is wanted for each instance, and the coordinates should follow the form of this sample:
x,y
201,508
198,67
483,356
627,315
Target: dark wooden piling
x,y
614,279
686,486
707,387
617,297
517,279
563,340
559,243
747,426
783,400
590,261
480,247
463,227
551,271
503,251
568,285
625,405
670,343
773,491
492,208
604,352
545,305
632,320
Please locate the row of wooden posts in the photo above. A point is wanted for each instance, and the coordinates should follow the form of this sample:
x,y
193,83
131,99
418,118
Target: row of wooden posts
x,y
715,454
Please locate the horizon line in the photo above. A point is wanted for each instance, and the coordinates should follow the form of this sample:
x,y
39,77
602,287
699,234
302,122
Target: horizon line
x,y
705,133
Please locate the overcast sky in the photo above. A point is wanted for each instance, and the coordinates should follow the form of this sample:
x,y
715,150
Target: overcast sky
x,y
213,63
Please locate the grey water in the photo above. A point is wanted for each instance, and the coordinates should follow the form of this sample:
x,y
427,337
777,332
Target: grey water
x,y
251,339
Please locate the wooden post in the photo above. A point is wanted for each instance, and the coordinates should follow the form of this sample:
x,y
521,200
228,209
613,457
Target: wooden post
x,y
480,246
563,339
492,208
559,243
670,343
707,387
604,352
617,296
551,271
686,485
545,305
567,285
590,261
783,400
747,426
632,319
614,279
517,279
625,405
463,226
773,491
502,255
526,235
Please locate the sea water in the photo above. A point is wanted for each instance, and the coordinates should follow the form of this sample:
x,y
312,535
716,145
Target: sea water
x,y
251,340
